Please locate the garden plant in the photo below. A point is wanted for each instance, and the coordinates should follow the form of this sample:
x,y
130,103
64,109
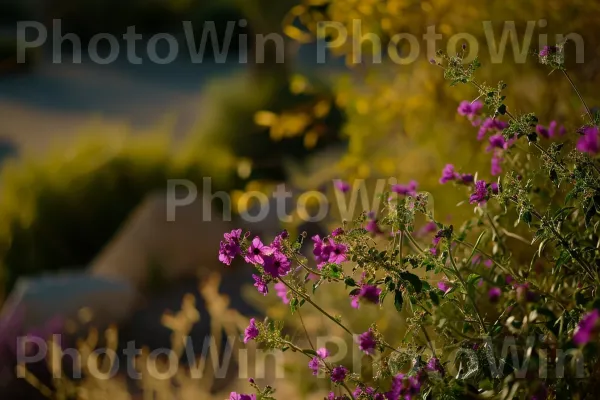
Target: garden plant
x,y
503,306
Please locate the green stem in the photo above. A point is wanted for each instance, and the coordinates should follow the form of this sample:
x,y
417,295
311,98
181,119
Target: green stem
x,y
317,307
587,109
414,242
298,349
506,271
401,252
462,281
306,331
312,271
563,242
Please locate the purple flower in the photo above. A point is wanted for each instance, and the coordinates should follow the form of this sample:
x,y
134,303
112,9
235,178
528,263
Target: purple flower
x,y
466,178
281,291
542,131
427,228
496,164
367,342
315,363
342,186
338,375
406,190
276,265
368,392
494,187
490,125
278,241
257,251
234,235
338,253
251,331
369,293
320,251
497,142
239,396
438,236
230,247
585,329
488,263
494,294
523,293
373,227
260,284
327,251
332,396
322,353
551,130
444,286
448,174
470,110
434,365
548,50
337,232
588,142
405,387
479,194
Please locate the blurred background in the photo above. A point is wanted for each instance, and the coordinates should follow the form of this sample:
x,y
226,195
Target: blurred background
x,y
86,150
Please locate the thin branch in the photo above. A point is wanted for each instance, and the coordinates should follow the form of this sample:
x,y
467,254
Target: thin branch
x,y
462,281
587,109
307,298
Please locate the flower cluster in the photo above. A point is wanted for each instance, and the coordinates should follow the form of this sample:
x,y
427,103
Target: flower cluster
x,y
328,251
449,174
523,266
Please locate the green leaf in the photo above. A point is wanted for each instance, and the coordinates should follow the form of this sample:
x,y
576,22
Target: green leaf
x,y
562,259
589,214
527,217
551,322
398,300
350,282
473,278
570,196
580,298
475,246
310,352
414,280
434,297
597,202
554,176
541,248
294,305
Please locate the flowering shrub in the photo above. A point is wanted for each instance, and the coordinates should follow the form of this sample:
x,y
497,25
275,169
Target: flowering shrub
x,y
509,297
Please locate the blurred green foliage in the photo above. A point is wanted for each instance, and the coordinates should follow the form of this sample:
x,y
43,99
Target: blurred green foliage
x,y
230,129
58,211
